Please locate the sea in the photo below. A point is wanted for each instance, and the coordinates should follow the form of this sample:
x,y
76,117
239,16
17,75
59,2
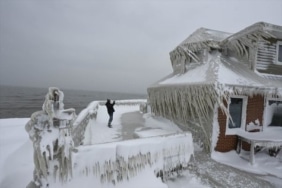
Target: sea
x,y
21,102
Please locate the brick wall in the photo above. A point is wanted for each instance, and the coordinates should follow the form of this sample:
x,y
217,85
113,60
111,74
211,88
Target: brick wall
x,y
254,111
225,142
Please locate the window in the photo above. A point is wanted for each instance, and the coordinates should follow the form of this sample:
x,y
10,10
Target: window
x,y
237,111
274,113
279,53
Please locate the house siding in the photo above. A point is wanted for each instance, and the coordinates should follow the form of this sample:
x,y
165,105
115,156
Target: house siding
x,y
184,106
255,108
266,58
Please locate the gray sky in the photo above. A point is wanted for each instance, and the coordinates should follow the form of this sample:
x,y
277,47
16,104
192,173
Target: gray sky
x,y
119,45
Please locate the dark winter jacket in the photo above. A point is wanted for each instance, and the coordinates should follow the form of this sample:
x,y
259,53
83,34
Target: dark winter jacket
x,y
110,106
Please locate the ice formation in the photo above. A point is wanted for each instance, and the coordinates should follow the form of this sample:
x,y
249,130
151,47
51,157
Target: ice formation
x,y
57,136
120,161
50,131
209,67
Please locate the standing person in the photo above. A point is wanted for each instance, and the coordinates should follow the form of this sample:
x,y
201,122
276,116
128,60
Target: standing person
x,y
110,108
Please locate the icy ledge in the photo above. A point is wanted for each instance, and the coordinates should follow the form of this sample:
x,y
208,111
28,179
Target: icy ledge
x,y
116,162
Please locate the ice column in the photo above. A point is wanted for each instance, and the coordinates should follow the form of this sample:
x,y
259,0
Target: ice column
x,y
50,132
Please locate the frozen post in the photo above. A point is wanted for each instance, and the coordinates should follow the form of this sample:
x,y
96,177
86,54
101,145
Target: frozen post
x,y
50,131
252,154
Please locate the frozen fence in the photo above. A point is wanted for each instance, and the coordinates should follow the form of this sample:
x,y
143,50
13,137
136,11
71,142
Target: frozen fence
x,y
120,161
55,133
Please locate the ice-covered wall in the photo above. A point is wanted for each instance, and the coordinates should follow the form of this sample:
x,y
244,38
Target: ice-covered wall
x,y
82,120
121,161
189,106
193,106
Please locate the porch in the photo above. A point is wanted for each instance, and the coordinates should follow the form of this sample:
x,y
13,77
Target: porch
x,y
269,138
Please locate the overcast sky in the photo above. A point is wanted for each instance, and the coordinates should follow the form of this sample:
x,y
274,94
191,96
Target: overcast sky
x,y
119,45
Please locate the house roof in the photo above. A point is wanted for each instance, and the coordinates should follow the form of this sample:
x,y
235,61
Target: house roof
x,y
201,38
204,34
257,30
250,36
222,70
207,38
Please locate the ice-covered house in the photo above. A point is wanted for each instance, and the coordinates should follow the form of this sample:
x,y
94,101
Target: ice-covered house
x,y
224,84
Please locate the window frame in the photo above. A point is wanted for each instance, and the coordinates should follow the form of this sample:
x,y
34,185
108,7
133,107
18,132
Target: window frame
x,y
233,131
277,62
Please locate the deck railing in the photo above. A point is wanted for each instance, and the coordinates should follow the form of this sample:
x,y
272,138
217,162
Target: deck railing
x,y
164,155
82,120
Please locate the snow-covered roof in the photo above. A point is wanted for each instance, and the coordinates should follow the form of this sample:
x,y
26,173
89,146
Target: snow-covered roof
x,y
219,69
204,34
204,38
201,38
250,36
223,70
260,29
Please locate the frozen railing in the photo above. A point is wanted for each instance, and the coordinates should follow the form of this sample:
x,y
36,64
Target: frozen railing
x,y
56,133
82,120
119,161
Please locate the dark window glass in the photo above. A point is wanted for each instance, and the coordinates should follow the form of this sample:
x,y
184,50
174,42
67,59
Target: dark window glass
x,y
280,53
235,110
56,122
276,119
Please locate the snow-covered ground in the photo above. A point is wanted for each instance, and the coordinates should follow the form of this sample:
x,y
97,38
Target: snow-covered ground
x,y
16,156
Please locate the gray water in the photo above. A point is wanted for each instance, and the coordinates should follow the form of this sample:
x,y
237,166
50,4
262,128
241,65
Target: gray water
x,y
21,102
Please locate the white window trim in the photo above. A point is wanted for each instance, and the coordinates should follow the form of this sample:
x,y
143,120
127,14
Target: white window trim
x,y
277,51
233,131
265,106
